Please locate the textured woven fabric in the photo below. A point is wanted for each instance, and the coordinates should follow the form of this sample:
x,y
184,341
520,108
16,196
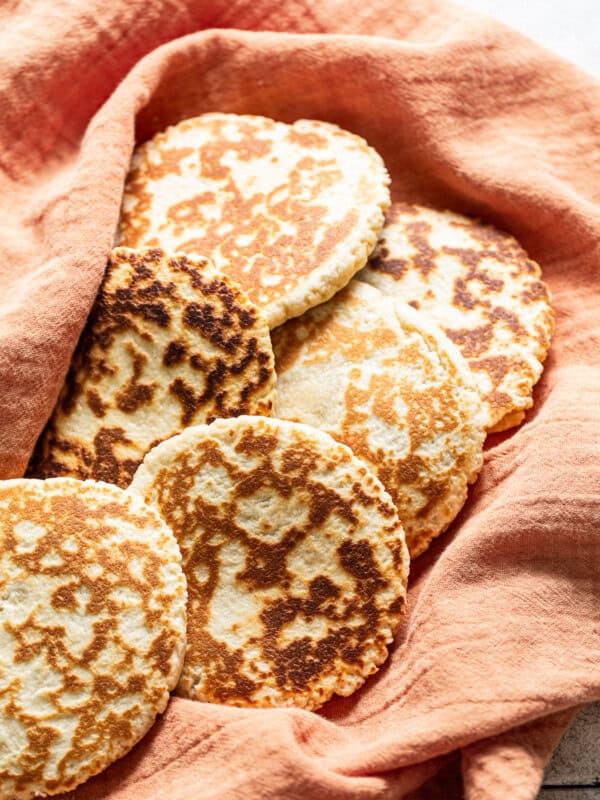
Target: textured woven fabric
x,y
502,634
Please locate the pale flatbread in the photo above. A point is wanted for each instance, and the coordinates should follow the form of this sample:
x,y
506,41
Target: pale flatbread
x,y
290,212
382,379
92,630
294,555
171,342
481,288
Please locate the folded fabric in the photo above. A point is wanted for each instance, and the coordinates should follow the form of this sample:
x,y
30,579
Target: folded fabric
x,y
501,641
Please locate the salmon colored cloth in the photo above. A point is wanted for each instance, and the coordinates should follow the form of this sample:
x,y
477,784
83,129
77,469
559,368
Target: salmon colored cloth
x,y
502,638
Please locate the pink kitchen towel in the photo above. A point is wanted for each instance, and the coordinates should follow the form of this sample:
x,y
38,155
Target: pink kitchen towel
x,y
502,638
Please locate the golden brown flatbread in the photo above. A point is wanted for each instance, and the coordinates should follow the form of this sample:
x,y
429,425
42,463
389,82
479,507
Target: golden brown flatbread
x,y
381,378
290,212
92,629
294,556
171,342
480,287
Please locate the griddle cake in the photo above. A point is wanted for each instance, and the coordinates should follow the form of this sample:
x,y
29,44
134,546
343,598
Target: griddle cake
x,y
171,342
294,555
379,377
291,212
480,287
92,629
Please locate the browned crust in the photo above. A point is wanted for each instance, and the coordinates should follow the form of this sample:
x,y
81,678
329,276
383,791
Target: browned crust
x,y
216,362
498,290
90,560
307,470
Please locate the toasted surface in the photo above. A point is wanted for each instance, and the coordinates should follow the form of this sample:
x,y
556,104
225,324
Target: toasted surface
x,y
170,342
379,377
291,212
480,287
92,629
294,555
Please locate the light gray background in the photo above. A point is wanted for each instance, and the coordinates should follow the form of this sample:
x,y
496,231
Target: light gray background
x,y
570,28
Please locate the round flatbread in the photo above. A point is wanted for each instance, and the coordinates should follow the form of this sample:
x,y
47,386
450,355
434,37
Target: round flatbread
x,y
294,555
379,377
290,212
92,630
481,288
170,342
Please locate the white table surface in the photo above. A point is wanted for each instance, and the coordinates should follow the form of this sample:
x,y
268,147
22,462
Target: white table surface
x,y
570,28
